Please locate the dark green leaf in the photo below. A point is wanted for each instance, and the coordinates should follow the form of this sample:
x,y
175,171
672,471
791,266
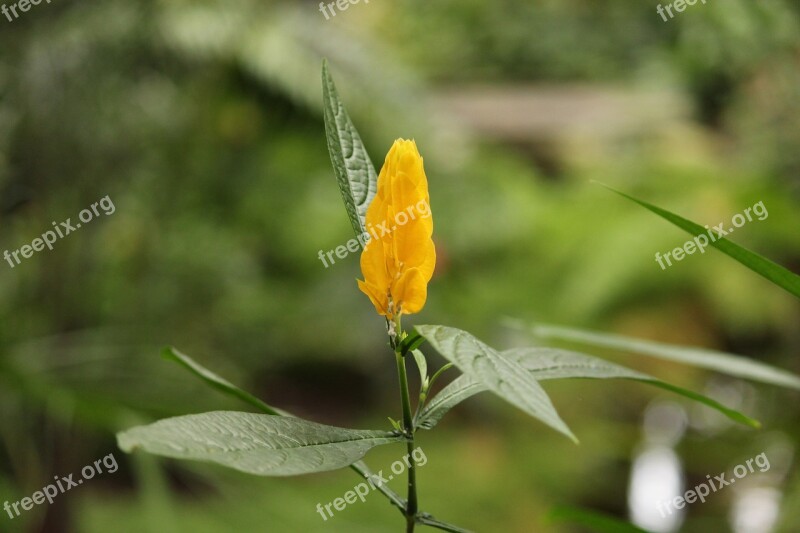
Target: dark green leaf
x,y
413,341
219,383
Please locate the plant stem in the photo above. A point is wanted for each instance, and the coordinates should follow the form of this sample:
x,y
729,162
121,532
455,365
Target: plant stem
x,y
408,426
438,524
361,468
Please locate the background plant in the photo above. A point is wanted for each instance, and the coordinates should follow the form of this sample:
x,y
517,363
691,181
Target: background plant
x,y
280,445
200,117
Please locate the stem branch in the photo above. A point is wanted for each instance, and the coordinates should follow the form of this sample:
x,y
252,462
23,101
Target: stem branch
x,y
408,427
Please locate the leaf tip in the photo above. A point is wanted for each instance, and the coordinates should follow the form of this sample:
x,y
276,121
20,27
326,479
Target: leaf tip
x,y
609,187
124,443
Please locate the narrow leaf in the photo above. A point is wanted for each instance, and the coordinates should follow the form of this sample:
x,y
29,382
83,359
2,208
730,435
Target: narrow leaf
x,y
499,374
351,163
552,363
774,272
218,382
458,390
422,365
258,444
732,365
413,341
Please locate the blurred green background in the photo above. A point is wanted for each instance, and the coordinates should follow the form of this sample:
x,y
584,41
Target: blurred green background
x,y
202,122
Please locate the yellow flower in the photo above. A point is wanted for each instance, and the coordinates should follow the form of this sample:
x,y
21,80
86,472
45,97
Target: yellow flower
x,y
398,261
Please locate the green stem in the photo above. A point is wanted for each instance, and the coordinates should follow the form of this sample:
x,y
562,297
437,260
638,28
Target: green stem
x,y
423,396
408,426
363,470
438,373
438,524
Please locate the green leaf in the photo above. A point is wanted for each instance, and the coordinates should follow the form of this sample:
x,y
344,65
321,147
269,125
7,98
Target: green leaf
x,y
411,342
422,365
263,445
223,385
777,274
725,363
395,424
499,374
595,521
351,163
552,363
219,383
458,390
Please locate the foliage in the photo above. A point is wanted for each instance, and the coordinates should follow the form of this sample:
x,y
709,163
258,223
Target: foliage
x,y
272,444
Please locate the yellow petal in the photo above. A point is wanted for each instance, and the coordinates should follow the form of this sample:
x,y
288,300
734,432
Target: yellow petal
x,y
410,292
373,266
379,300
412,238
400,259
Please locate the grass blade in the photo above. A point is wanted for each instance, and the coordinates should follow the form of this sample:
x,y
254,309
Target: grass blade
x,y
774,272
725,363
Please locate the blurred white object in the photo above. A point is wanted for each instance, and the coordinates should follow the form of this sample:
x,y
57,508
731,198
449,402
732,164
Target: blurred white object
x,y
755,510
657,473
656,478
